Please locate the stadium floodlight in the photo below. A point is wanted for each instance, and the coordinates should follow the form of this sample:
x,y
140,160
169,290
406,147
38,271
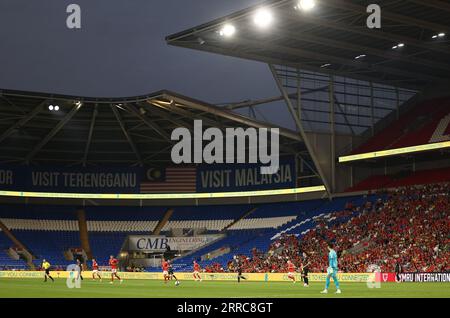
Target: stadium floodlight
x,y
120,106
439,35
401,45
263,18
228,30
50,107
56,108
306,5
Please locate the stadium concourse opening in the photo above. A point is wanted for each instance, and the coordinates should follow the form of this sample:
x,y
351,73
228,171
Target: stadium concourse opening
x,y
362,208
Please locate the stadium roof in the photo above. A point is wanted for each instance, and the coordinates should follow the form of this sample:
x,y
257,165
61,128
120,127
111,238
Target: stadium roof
x,y
328,38
92,131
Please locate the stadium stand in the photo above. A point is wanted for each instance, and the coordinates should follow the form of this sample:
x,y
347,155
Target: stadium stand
x,y
45,244
115,213
363,227
49,231
6,262
299,217
38,212
393,229
420,125
392,181
204,212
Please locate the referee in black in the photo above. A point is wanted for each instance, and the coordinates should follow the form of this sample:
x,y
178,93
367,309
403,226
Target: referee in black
x,y
80,268
238,268
398,271
171,272
305,270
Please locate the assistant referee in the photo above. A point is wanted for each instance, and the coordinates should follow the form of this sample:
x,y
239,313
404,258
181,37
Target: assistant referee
x,y
46,266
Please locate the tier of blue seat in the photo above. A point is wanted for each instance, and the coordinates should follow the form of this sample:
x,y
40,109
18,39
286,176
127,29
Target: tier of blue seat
x,y
119,213
38,212
242,242
51,244
5,261
104,244
100,213
208,212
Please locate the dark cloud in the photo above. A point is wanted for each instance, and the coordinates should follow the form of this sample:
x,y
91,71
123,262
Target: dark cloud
x,y
120,50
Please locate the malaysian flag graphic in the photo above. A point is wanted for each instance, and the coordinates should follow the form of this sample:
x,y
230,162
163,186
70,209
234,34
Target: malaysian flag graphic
x,y
173,180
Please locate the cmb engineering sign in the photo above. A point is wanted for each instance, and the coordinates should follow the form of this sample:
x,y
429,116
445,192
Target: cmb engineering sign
x,y
148,243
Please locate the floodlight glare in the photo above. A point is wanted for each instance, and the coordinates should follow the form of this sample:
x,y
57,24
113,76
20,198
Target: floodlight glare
x,y
401,45
263,18
227,30
439,35
306,5
50,107
56,108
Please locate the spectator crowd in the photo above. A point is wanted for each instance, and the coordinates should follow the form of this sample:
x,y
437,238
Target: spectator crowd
x,y
410,226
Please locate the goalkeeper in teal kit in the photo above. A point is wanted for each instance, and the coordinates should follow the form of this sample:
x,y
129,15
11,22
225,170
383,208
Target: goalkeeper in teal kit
x,y
332,270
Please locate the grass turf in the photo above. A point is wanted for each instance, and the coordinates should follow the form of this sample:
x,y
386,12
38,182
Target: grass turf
x,y
34,288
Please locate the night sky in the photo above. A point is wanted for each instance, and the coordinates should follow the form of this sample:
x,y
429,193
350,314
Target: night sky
x,y
120,50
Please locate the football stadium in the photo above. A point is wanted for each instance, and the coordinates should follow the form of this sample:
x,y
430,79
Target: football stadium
x,y
166,195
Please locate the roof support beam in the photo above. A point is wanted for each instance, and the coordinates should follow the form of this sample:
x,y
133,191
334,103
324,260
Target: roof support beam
x,y
299,125
272,99
53,132
91,131
155,154
364,49
22,122
148,122
406,83
223,113
127,135
379,34
11,103
325,58
164,115
344,114
182,112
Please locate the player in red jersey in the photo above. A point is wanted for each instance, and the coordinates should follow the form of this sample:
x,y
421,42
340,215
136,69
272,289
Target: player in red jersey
x,y
165,268
95,271
197,270
113,262
291,271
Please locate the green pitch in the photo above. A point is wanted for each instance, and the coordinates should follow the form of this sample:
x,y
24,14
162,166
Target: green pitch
x,y
190,289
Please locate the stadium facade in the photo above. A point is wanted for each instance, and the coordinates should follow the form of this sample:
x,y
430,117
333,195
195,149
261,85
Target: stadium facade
x,y
95,176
